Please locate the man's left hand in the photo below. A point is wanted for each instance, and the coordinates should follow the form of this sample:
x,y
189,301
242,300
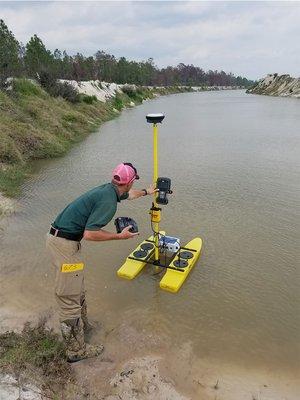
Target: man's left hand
x,y
151,189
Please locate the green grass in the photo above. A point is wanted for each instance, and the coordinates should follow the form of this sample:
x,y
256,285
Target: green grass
x,y
118,102
137,95
35,125
11,178
26,87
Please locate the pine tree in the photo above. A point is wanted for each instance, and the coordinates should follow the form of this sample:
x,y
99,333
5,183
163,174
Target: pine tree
x,y
10,64
37,58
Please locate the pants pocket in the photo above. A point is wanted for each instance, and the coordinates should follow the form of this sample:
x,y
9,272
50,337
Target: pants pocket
x,y
69,283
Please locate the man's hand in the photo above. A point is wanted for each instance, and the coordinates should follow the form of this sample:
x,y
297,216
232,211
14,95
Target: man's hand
x,y
135,194
102,235
151,189
125,234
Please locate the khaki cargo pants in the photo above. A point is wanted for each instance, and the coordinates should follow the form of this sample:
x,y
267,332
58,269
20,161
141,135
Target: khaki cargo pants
x,y
69,278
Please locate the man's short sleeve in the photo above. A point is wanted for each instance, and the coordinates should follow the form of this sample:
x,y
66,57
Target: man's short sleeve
x,y
100,216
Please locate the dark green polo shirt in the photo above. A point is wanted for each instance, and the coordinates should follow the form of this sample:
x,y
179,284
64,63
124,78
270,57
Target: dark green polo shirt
x,y
91,211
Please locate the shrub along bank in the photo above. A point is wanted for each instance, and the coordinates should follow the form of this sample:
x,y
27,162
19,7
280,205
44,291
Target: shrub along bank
x,y
35,123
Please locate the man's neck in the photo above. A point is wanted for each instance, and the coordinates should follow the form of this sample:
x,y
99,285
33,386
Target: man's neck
x,y
121,189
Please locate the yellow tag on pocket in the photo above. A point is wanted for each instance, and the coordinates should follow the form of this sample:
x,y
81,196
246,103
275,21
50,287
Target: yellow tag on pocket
x,y
72,267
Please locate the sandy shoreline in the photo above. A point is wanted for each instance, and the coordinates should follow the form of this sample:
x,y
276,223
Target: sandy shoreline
x,y
140,366
7,206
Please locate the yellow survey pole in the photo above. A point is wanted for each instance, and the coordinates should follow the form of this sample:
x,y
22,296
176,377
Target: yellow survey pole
x,y
155,119
155,176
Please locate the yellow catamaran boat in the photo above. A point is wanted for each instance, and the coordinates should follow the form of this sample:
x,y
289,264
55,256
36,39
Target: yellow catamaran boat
x,y
149,251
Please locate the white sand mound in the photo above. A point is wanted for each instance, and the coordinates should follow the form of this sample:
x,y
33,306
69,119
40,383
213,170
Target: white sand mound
x,y
278,85
102,90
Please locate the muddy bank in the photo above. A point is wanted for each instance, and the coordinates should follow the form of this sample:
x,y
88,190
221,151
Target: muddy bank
x,y
140,365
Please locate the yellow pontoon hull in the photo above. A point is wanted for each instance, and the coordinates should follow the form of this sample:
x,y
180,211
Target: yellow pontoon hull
x,y
131,268
173,279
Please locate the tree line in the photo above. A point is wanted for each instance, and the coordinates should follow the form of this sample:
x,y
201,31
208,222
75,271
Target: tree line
x,y
32,59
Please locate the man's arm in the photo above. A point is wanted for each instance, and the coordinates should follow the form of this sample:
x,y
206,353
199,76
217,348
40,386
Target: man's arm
x,y
135,194
102,235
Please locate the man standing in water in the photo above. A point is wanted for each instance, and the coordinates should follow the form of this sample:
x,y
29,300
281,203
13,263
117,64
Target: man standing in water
x,y
85,218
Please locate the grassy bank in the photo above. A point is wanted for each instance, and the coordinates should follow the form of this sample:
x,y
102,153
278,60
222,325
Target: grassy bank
x,y
35,125
36,355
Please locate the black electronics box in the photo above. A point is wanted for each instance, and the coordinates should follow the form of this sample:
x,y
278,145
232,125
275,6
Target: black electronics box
x,y
123,222
164,187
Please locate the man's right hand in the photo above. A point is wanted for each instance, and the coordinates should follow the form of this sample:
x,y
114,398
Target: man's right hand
x,y
125,234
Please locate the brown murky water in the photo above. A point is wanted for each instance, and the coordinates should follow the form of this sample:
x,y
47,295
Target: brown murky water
x,y
234,162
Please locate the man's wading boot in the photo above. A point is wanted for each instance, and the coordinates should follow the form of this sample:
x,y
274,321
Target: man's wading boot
x,y
77,349
87,327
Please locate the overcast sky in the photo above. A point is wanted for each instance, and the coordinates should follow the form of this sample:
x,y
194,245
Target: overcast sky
x,y
250,39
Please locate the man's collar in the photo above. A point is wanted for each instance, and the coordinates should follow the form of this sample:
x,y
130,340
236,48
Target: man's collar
x,y
117,192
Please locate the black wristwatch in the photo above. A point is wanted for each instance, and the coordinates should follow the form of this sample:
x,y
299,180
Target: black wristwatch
x,y
145,191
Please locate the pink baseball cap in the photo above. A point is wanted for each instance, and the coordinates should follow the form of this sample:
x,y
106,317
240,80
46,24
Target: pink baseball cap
x,y
124,174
